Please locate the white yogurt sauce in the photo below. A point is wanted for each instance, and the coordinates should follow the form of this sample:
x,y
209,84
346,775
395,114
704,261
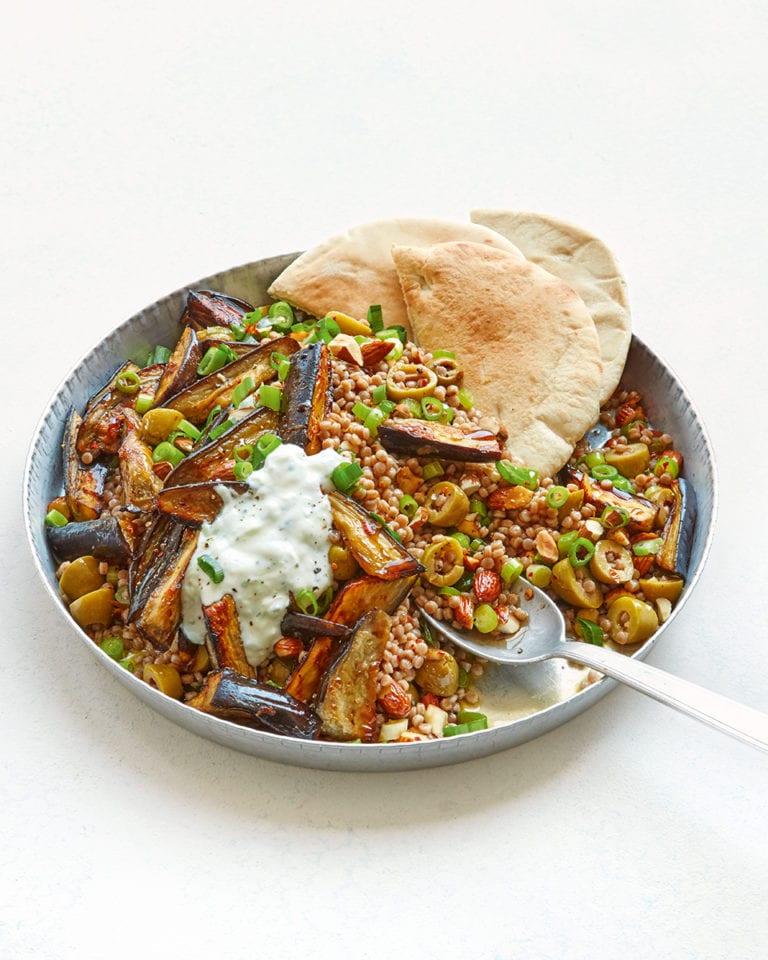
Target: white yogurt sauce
x,y
270,540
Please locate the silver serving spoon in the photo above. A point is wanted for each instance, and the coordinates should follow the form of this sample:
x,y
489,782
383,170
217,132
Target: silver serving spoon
x,y
544,637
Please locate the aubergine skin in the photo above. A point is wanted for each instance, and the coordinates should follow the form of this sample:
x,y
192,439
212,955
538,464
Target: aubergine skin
x,y
110,414
196,503
181,369
225,641
675,553
84,485
427,438
641,512
206,308
307,392
160,614
295,624
228,695
107,538
347,700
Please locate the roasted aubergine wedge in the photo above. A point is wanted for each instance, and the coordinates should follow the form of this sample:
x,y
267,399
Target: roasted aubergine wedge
x,y
426,438
307,394
377,551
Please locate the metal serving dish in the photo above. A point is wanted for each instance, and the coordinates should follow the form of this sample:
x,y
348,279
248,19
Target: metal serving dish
x,y
522,702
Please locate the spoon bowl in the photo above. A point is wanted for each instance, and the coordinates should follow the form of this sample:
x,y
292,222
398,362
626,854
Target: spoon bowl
x,y
543,636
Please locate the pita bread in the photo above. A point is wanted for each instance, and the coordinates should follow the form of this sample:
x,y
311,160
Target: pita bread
x,y
353,270
525,340
587,265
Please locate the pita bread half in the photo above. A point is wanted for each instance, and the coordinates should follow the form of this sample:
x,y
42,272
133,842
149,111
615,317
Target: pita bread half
x,y
525,340
584,262
353,270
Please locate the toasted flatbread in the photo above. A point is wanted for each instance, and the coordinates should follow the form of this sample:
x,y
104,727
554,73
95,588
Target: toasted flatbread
x,y
584,262
353,270
524,338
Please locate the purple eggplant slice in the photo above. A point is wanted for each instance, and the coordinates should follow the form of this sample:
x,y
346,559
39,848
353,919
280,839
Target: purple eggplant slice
x,y
295,624
427,438
675,552
216,460
206,308
159,615
108,538
196,503
347,700
307,392
84,485
181,369
140,483
110,413
377,552
215,390
228,695
225,642
641,512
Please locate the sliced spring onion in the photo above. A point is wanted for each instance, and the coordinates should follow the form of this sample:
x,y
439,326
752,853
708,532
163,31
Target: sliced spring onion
x,y
361,410
614,518
393,333
166,452
477,506
306,601
511,570
379,393
581,552
213,360
128,382
220,428
443,353
229,353
557,497
270,396
622,483
485,618
324,600
465,678
432,469
345,476
238,330
414,407
431,408
470,716
281,316
591,631
566,541
328,328
396,352
54,518
387,406
144,402
160,354
476,544
520,476
667,465
243,451
407,505
375,319
188,429
113,647
465,398
373,420
594,457
211,567
646,548
241,391
242,469
461,538
268,442
604,471
448,414
449,592
386,528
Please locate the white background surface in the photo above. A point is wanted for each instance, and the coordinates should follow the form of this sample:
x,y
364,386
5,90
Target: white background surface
x,y
144,145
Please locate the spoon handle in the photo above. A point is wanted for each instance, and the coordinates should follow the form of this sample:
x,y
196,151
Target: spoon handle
x,y
722,713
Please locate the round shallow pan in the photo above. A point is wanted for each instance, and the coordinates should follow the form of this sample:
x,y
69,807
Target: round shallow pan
x,y
522,702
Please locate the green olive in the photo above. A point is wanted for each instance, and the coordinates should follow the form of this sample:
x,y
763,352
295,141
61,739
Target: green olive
x,y
80,577
611,563
630,460
453,504
439,674
447,370
419,381
444,562
95,607
569,588
655,589
158,424
342,562
634,617
165,677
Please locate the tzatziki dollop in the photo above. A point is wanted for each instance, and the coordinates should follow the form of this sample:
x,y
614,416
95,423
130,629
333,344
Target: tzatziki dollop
x,y
270,540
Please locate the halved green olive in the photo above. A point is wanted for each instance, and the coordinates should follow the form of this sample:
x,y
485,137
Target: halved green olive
x,y
158,424
165,677
80,577
633,617
444,562
611,563
342,562
447,504
630,460
654,588
569,588
95,607
447,371
439,674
